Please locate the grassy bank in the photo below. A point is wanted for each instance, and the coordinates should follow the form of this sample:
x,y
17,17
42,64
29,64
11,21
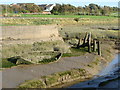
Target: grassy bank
x,y
75,52
36,53
98,31
66,16
56,78
58,19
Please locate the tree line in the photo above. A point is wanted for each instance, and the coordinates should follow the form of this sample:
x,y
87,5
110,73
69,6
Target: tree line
x,y
22,8
61,9
91,9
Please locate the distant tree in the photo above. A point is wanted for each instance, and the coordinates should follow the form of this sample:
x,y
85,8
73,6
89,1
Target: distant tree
x,y
80,10
16,8
91,9
87,10
55,9
6,9
64,9
105,10
32,8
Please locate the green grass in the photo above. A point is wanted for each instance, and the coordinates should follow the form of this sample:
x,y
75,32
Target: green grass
x,y
75,30
65,73
51,19
66,16
45,61
75,52
6,64
32,84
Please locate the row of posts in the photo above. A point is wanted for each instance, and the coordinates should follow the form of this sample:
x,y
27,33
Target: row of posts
x,y
87,41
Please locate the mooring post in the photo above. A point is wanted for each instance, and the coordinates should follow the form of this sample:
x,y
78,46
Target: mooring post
x,y
78,45
99,49
94,45
85,39
89,42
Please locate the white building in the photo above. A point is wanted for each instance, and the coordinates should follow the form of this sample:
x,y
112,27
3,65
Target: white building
x,y
47,8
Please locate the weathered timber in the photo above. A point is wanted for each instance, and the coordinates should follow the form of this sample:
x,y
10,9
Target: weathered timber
x,y
89,42
94,45
79,42
99,49
85,39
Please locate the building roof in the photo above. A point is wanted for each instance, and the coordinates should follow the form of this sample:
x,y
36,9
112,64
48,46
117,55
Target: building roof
x,y
43,5
46,7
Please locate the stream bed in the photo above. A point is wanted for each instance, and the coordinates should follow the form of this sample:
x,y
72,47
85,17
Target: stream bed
x,y
109,77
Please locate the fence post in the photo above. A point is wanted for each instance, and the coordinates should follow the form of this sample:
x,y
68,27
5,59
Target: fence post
x,y
85,39
99,49
94,45
78,45
89,42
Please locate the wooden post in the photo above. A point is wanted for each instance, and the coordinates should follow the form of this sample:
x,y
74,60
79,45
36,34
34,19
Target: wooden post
x,y
89,42
99,49
94,45
85,39
78,45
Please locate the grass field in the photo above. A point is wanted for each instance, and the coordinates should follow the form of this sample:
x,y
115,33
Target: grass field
x,y
66,16
58,19
76,30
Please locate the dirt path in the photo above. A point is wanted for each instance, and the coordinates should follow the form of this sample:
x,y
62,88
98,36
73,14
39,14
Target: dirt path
x,y
14,76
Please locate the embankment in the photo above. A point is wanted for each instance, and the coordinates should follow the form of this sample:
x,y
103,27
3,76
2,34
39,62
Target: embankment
x,y
29,34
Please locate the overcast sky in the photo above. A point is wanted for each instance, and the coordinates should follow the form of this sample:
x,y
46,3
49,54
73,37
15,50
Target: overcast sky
x,y
73,2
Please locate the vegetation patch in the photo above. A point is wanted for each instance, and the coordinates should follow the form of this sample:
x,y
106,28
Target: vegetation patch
x,y
55,79
66,20
4,63
45,61
36,53
75,52
65,73
70,32
33,84
42,21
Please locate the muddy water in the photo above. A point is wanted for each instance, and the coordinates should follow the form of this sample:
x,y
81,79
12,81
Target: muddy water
x,y
108,73
114,65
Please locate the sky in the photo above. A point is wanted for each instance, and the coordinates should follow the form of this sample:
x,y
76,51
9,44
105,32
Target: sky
x,y
73,2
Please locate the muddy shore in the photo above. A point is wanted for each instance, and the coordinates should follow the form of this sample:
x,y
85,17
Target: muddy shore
x,y
18,75
91,63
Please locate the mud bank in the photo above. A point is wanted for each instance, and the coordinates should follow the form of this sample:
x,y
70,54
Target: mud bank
x,y
89,68
67,69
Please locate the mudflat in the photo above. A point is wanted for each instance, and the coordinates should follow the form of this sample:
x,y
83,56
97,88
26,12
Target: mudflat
x,y
14,76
